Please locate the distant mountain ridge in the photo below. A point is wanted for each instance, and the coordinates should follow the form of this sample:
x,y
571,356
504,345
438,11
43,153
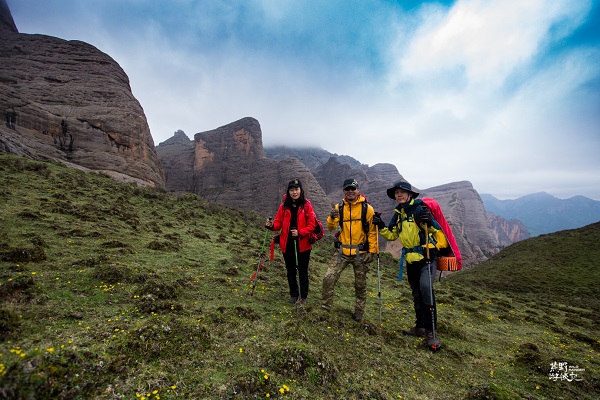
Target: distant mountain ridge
x,y
312,157
543,213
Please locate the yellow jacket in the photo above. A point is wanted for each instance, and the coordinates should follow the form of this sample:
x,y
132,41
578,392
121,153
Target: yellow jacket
x,y
412,236
352,233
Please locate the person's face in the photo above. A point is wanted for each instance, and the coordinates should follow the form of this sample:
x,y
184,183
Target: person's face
x,y
350,194
294,192
402,196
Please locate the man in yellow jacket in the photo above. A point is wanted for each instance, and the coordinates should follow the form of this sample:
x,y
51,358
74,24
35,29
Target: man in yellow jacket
x,y
357,244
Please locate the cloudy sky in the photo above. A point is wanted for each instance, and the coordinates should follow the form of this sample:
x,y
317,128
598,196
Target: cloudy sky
x,y
502,93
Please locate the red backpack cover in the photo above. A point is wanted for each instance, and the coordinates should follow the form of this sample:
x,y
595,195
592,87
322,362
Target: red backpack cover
x,y
445,263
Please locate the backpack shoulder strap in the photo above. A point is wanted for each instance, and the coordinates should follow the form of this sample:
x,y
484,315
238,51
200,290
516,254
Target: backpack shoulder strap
x,y
341,213
363,217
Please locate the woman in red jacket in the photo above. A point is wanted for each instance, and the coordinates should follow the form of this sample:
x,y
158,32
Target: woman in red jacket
x,y
296,219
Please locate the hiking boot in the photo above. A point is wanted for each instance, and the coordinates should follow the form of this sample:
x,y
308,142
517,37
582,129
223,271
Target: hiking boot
x,y
357,316
293,300
303,300
432,341
414,331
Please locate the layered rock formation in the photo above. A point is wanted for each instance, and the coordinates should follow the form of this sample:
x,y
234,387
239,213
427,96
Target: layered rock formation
x,y
466,215
508,231
68,101
229,166
177,159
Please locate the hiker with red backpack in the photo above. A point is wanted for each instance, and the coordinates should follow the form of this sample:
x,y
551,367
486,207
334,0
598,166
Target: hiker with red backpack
x,y
356,244
422,239
296,219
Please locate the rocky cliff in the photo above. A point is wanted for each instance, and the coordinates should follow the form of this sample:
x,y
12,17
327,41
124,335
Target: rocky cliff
x,y
177,159
67,101
229,166
508,231
6,20
466,215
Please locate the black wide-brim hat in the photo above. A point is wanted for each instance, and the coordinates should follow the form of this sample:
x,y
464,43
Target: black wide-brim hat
x,y
391,192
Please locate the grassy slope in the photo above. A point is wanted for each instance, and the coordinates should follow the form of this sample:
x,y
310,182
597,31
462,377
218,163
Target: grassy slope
x,y
113,291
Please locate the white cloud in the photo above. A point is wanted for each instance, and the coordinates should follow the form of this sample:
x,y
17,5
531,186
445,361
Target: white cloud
x,y
486,40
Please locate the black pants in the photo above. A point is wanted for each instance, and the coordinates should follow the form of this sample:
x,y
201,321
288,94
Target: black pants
x,y
421,284
301,272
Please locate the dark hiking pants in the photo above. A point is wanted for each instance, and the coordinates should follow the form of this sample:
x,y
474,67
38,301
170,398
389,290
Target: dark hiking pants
x,y
421,284
300,275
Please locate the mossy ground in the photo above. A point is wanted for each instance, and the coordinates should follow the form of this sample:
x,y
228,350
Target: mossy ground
x,y
113,291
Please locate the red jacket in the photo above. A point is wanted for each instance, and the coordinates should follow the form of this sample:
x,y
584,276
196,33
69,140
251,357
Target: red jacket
x,y
306,225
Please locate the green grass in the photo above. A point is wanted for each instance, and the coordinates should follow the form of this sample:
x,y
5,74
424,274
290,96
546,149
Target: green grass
x,y
113,291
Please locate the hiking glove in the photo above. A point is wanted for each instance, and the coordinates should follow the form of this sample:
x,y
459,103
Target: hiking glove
x,y
334,213
367,258
424,216
377,221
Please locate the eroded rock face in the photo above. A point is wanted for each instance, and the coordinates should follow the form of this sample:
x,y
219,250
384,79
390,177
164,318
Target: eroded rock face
x,y
6,20
228,165
466,215
508,231
176,155
68,101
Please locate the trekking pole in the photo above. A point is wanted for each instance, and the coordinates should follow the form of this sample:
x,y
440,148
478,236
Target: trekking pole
x,y
296,252
297,270
428,265
260,262
378,275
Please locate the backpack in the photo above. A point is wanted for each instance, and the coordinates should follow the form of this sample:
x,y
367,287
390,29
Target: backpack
x,y
451,262
318,233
